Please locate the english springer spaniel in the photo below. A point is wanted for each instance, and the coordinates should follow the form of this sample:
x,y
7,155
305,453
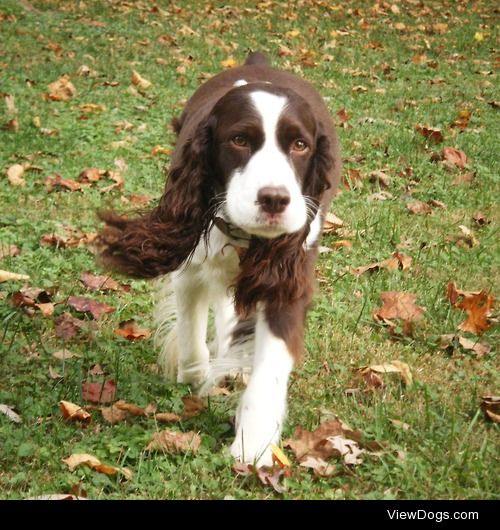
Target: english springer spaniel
x,y
254,169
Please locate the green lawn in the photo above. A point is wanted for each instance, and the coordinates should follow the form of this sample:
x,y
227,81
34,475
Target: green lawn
x,y
392,68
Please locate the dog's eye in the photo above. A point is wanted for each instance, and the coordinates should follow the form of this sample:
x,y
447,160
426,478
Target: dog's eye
x,y
239,141
299,145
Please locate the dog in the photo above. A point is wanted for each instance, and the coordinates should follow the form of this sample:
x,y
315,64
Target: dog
x,y
255,167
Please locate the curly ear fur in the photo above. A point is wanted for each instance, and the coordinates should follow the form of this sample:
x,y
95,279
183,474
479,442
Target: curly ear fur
x,y
271,271
316,181
160,241
276,271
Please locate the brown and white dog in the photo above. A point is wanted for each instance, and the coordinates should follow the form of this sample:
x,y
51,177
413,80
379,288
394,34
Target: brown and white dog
x,y
255,167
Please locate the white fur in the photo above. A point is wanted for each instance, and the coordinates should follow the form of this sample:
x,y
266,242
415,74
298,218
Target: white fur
x,y
181,312
268,166
240,82
262,410
314,230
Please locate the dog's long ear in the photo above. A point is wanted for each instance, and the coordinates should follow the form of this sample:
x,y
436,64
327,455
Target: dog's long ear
x,y
160,241
317,178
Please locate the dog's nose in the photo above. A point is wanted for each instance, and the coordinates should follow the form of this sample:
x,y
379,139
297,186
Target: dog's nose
x,y
273,199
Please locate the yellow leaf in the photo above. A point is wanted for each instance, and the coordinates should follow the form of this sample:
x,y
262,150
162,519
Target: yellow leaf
x,y
229,63
478,36
140,81
279,457
292,34
15,175
6,276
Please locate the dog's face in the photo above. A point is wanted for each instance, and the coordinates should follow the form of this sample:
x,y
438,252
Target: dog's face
x,y
263,143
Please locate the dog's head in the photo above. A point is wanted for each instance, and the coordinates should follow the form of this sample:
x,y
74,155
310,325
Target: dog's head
x,y
269,159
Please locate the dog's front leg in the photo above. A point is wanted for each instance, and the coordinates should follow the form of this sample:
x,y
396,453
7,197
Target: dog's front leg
x,y
262,410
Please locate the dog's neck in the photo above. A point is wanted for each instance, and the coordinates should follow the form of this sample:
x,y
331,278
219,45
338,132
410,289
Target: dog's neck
x,y
237,236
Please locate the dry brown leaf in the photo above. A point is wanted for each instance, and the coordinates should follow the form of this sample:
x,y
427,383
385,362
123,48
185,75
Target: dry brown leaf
x,y
479,349
332,223
15,175
432,135
193,405
6,276
379,177
400,425
87,305
68,326
140,81
117,179
55,182
64,355
72,412
479,218
61,90
398,305
167,417
84,459
9,251
478,308
173,442
135,410
34,298
397,261
455,156
129,330
13,416
491,407
99,392
101,283
418,207
113,414
320,467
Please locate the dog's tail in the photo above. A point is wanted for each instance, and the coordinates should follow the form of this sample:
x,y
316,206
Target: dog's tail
x,y
257,58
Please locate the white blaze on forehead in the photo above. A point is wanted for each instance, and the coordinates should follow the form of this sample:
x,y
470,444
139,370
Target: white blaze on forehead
x,y
270,107
240,82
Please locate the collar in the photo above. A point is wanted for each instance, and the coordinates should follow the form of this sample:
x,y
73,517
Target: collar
x,y
238,237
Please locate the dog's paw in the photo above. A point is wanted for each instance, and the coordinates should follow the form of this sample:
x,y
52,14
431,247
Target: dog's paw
x,y
168,358
252,455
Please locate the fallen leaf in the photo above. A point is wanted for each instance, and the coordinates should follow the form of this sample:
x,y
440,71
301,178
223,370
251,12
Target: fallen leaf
x,y
455,156
34,298
342,117
57,497
193,405
397,261
394,367
271,476
129,330
72,412
332,223
54,182
87,305
96,370
113,414
130,408
399,306
99,392
320,467
91,107
64,355
479,218
478,308
116,177
479,349
316,444
140,81
90,175
173,442
6,276
54,374
348,449
279,457
167,417
5,409
400,424
68,326
15,175
61,90
434,136
83,459
381,178
418,207
491,407
9,251
101,283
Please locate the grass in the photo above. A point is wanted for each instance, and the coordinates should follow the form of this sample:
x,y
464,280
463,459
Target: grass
x,y
449,450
